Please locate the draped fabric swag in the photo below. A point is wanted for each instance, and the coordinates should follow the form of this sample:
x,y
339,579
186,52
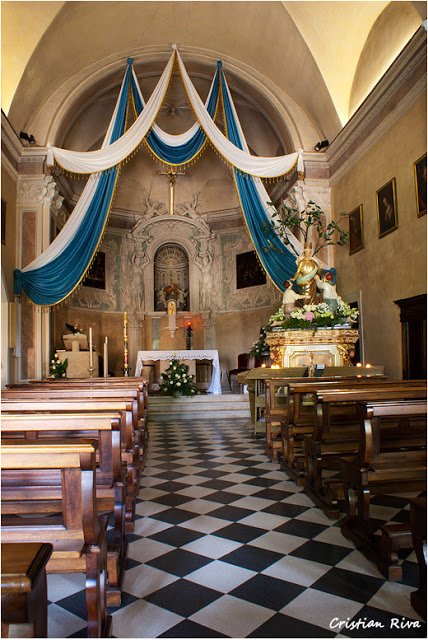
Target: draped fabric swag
x,y
56,273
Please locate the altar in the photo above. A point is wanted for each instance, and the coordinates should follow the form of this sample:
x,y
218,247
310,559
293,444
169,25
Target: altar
x,y
190,355
300,348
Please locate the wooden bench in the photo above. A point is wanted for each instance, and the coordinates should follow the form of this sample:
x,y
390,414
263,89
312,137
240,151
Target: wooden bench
x,y
24,606
19,420
78,536
418,525
335,435
96,390
389,460
302,415
88,399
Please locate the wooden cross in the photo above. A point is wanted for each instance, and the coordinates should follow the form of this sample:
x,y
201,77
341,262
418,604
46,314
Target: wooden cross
x,y
172,175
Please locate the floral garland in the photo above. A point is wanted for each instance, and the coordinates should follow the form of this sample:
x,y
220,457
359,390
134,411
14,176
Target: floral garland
x,y
312,316
260,347
177,382
58,369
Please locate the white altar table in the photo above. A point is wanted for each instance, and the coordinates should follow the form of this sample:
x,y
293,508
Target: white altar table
x,y
202,354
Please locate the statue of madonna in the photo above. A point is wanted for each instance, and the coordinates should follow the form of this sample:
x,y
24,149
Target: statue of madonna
x,y
307,269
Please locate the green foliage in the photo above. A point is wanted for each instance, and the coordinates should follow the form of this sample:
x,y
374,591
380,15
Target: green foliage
x,y
177,382
260,347
310,223
58,369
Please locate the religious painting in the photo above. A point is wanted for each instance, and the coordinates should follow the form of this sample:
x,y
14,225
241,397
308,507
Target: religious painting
x,y
249,272
356,237
3,222
96,277
387,209
420,169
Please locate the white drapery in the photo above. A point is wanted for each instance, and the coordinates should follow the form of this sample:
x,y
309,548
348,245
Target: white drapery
x,y
72,225
105,158
96,161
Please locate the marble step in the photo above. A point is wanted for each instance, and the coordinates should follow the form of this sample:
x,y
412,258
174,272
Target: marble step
x,y
225,406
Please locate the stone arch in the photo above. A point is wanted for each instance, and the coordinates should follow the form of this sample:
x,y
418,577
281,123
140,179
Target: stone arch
x,y
171,270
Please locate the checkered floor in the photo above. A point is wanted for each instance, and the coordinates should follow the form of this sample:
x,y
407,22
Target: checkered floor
x,y
226,546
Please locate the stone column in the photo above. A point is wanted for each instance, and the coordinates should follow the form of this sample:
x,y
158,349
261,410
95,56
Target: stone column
x,y
37,202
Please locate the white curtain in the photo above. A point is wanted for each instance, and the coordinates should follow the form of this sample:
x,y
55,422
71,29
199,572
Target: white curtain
x,y
95,161
105,158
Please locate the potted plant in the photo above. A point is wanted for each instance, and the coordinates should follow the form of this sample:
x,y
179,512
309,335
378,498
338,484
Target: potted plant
x,y
177,382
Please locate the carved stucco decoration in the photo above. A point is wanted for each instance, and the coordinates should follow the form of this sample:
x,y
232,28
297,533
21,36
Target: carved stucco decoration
x,y
250,297
156,227
101,299
38,189
301,193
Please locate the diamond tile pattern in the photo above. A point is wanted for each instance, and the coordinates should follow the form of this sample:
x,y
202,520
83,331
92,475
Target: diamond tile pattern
x,y
225,545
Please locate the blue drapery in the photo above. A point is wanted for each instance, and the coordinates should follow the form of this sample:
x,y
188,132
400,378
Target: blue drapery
x,y
279,263
181,154
50,284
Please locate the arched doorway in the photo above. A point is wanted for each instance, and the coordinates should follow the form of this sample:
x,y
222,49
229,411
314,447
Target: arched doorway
x,y
171,276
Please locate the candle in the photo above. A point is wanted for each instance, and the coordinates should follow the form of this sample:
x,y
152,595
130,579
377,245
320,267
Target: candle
x,y
91,356
125,343
106,357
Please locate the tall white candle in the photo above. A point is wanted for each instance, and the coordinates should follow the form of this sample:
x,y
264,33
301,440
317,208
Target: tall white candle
x,y
106,358
91,356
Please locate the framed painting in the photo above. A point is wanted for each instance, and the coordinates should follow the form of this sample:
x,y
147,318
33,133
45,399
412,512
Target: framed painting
x,y
249,273
96,277
356,232
420,169
386,201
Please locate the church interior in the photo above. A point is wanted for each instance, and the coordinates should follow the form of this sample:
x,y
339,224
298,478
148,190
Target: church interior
x,y
217,537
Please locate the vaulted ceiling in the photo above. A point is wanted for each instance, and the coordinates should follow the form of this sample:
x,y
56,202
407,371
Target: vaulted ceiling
x,y
313,62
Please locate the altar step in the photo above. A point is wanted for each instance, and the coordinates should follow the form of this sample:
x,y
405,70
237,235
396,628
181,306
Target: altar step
x,y
204,406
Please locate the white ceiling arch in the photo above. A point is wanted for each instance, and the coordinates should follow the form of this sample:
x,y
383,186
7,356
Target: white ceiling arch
x,y
306,52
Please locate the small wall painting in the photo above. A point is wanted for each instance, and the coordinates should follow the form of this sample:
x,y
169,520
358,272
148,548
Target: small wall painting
x,y
249,273
420,168
387,209
96,277
356,233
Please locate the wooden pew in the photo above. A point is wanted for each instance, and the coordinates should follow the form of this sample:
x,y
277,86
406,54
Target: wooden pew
x,y
24,606
302,415
388,461
78,537
276,404
19,420
418,525
333,438
73,400
126,391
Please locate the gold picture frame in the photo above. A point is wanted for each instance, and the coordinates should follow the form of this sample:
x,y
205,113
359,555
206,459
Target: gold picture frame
x,y
356,230
420,171
386,203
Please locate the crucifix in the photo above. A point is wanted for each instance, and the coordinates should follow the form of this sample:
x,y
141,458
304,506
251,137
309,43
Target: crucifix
x,y
172,175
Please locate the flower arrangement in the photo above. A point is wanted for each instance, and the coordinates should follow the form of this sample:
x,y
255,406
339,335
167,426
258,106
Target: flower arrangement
x,y
314,316
177,382
261,347
58,369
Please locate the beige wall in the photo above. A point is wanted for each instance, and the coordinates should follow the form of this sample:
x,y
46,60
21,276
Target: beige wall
x,y
392,267
8,250
237,331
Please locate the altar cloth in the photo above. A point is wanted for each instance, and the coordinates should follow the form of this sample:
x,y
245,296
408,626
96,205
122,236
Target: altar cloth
x,y
194,354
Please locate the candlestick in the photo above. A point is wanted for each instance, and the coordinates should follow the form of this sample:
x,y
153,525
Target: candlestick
x,y
125,344
106,357
91,355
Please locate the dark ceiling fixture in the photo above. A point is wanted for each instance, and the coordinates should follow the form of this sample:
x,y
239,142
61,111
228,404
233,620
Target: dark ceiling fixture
x,y
24,136
321,145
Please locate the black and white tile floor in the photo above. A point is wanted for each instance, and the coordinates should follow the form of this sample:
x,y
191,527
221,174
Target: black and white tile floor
x,y
226,546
